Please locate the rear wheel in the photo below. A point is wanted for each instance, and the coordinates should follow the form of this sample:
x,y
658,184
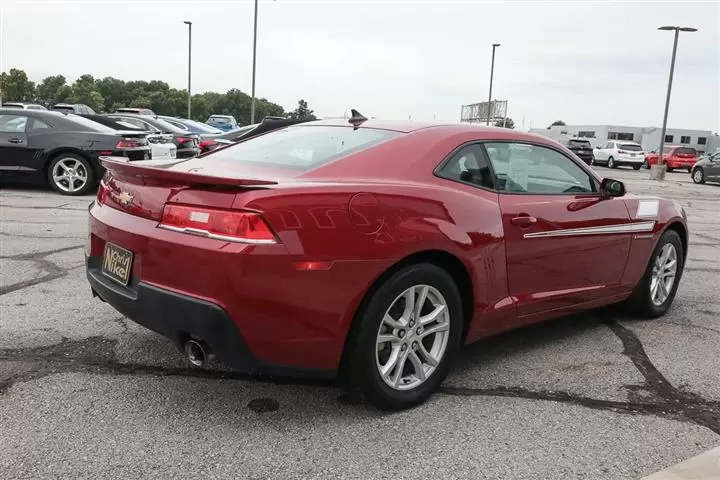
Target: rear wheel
x,y
71,174
636,167
669,169
611,163
698,175
656,290
405,338
689,169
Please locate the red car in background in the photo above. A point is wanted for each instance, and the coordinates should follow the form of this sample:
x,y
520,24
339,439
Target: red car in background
x,y
373,250
675,157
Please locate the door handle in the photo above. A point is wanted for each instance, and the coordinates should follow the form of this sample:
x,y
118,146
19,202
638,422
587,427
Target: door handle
x,y
15,140
523,221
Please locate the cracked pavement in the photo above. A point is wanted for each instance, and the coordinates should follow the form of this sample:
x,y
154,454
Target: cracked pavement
x,y
85,393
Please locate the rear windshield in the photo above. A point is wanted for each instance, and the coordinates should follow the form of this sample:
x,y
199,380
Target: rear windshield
x,y
201,127
630,147
685,151
219,121
64,108
579,143
88,124
303,148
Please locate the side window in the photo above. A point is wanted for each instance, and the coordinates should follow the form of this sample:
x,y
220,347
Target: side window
x,y
12,123
469,165
523,168
38,124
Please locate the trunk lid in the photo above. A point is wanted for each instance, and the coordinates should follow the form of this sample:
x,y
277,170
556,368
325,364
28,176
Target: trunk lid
x,y
143,188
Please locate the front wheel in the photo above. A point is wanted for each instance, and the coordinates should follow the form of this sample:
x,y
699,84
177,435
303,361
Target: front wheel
x,y
689,169
646,165
669,169
698,176
611,163
71,174
636,167
404,339
656,290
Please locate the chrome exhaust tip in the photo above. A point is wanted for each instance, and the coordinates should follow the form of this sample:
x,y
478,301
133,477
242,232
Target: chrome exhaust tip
x,y
196,352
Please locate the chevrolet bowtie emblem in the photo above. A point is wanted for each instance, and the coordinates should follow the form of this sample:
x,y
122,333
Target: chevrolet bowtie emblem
x,y
125,198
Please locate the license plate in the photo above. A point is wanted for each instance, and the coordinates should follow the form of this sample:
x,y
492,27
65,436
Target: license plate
x,y
117,263
632,154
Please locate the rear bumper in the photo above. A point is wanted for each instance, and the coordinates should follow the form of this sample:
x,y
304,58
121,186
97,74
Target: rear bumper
x,y
634,161
181,317
188,152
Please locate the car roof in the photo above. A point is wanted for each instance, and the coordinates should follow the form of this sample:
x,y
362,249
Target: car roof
x,y
221,116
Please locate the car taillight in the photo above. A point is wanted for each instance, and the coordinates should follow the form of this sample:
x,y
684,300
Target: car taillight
x,y
207,143
102,193
127,144
622,151
184,139
228,225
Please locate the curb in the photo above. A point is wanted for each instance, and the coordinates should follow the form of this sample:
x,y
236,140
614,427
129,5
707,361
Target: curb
x,y
705,466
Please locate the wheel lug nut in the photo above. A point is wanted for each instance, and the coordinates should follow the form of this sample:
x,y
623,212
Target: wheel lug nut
x,y
401,333
404,347
412,323
415,346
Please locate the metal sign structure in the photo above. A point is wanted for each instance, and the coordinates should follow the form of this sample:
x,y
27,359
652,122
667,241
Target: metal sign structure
x,y
478,112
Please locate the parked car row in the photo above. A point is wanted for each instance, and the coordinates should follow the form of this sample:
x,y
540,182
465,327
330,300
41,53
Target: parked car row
x,y
62,146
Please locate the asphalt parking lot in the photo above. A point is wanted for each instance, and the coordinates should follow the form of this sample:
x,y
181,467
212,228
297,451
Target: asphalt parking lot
x,y
85,393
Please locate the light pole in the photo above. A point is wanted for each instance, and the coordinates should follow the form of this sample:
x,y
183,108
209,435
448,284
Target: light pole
x,y
252,102
492,70
677,30
189,24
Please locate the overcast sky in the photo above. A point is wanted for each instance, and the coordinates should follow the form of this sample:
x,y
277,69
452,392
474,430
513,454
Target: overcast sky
x,y
579,61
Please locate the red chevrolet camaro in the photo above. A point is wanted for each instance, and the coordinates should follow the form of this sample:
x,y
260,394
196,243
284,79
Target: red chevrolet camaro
x,y
372,249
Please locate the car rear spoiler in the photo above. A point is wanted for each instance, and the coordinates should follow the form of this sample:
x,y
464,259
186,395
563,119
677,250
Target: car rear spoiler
x,y
161,172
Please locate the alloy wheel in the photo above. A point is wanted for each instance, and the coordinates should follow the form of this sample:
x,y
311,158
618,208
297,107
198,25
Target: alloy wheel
x,y
698,175
413,337
663,274
70,175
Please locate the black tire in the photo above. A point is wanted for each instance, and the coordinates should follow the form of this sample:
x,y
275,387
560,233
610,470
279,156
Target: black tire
x,y
640,302
360,368
669,169
636,167
689,169
611,163
698,176
646,165
90,182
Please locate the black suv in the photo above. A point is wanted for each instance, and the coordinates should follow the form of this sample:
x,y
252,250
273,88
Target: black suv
x,y
581,148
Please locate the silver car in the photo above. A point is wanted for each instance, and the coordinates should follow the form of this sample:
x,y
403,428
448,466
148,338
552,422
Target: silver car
x,y
707,168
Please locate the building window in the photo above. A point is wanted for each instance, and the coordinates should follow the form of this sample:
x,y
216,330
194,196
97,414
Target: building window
x,y
702,140
621,136
669,138
586,134
685,139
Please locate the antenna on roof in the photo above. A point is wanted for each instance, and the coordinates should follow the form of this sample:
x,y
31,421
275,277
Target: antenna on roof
x,y
356,118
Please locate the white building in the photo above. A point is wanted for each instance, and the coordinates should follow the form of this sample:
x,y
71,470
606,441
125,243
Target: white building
x,y
648,137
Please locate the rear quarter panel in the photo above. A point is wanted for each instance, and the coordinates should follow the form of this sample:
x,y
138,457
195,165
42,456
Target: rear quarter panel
x,y
667,214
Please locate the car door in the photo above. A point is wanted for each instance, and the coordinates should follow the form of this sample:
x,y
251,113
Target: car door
x,y
602,152
13,142
712,170
566,245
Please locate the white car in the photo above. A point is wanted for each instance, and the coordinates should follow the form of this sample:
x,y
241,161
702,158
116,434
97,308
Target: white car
x,y
162,147
615,153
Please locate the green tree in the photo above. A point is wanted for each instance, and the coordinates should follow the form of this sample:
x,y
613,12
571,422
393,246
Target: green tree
x,y
506,123
48,91
15,86
302,112
557,123
85,91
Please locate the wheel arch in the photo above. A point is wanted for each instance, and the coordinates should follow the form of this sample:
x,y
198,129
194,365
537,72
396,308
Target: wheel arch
x,y
441,258
682,231
53,154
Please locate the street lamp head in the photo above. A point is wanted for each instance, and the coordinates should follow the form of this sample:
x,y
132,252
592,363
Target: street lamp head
x,y
667,27
688,29
495,44
187,22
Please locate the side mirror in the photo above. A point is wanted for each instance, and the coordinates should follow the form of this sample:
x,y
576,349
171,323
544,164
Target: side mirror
x,y
612,188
